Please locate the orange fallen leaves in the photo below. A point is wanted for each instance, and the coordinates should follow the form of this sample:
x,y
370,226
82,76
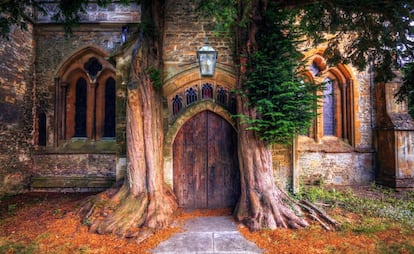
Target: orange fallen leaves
x,y
52,225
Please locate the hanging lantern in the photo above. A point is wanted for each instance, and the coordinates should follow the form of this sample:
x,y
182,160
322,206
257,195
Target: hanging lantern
x,y
207,57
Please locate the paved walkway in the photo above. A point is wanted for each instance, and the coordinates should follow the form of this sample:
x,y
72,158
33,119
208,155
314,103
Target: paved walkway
x,y
207,235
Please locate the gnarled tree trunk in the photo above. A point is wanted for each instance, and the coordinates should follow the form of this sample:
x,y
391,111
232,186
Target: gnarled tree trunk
x,y
144,202
262,204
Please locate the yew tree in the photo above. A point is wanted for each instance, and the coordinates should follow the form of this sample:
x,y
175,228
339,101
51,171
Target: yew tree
x,y
274,101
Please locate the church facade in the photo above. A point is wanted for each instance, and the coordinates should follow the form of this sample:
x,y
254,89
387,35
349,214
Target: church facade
x,y
63,113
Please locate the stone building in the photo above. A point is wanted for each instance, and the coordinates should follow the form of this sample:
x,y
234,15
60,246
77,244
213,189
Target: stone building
x,y
62,111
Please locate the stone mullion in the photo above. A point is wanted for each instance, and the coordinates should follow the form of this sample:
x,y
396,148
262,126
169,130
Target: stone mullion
x,y
93,88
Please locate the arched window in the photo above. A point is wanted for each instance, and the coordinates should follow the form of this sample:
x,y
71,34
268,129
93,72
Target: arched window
x,y
207,91
85,99
41,128
335,113
222,96
191,95
80,108
177,105
110,107
328,109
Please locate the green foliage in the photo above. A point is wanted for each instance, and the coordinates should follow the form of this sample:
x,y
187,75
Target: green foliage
x,y
407,89
374,32
16,12
284,102
404,247
388,207
369,226
224,19
155,76
17,248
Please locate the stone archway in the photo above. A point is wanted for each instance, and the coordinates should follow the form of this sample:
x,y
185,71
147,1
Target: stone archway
x,y
205,164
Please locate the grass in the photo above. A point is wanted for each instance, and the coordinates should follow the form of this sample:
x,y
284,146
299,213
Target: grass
x,y
386,206
386,212
17,248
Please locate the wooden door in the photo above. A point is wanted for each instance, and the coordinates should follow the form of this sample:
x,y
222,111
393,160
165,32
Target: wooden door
x,y
206,173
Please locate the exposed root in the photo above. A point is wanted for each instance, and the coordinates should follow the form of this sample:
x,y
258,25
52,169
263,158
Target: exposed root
x,y
319,215
277,210
127,215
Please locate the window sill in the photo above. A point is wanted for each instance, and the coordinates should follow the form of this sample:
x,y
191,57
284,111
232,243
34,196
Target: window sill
x,y
82,146
327,144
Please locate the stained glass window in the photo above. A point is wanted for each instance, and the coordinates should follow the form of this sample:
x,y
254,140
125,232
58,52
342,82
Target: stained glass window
x,y
328,109
222,96
110,107
80,108
207,91
191,96
176,104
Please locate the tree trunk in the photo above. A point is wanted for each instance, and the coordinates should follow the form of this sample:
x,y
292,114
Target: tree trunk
x,y
262,204
144,202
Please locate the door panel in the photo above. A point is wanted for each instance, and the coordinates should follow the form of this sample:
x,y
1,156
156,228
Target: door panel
x,y
206,173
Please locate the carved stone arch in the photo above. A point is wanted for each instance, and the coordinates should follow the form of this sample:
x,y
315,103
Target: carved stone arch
x,y
318,71
74,59
179,122
183,79
175,86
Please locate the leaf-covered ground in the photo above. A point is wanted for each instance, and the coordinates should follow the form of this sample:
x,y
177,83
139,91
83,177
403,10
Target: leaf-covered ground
x,y
48,223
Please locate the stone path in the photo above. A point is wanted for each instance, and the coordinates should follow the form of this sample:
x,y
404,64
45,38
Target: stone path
x,y
207,235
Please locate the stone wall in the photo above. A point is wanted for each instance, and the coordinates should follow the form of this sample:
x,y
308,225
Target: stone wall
x,y
331,160
29,66
101,29
185,32
16,100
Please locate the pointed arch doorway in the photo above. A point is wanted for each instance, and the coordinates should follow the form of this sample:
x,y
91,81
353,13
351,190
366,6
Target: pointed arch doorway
x,y
205,166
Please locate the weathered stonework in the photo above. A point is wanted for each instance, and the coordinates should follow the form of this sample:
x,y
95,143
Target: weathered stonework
x,y
394,139
101,31
16,100
31,70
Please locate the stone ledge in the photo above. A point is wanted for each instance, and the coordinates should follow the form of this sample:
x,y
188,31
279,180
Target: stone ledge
x,y
78,182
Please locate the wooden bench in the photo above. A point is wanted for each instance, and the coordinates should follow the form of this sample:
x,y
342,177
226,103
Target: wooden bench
x,y
77,183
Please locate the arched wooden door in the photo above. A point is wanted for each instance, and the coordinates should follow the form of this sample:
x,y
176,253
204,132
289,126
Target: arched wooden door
x,y
206,172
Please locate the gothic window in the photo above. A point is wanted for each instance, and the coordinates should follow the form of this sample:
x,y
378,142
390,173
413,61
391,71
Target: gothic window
x,y
41,138
85,99
176,105
207,91
80,108
222,96
191,96
110,107
335,114
328,109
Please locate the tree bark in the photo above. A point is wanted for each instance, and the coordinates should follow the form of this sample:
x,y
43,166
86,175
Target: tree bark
x,y
262,204
144,202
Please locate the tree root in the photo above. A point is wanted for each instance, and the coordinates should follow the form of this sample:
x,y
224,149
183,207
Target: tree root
x,y
319,215
126,215
275,209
